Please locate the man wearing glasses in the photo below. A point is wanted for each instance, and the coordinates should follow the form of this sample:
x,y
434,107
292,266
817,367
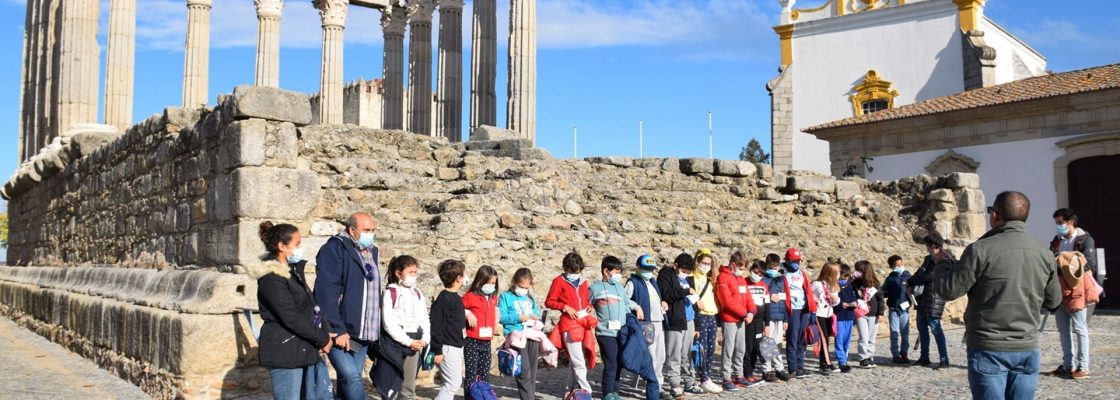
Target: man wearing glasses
x,y
348,289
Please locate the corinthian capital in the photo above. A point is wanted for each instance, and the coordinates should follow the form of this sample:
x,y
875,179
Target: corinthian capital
x,y
332,12
421,10
394,20
269,8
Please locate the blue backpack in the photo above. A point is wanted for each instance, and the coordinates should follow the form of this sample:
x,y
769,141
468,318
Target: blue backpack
x,y
577,394
697,355
509,363
481,390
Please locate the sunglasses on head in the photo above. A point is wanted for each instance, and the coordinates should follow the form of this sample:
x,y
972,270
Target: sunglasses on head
x,y
369,272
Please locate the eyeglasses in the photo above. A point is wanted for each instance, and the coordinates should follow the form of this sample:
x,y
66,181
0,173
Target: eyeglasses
x,y
990,210
369,272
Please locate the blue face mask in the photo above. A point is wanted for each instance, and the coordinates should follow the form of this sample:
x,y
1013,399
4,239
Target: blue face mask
x,y
366,240
1063,229
793,266
843,282
296,256
773,273
647,275
616,278
899,270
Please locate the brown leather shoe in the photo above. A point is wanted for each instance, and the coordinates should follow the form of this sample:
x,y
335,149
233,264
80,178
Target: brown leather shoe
x,y
1079,374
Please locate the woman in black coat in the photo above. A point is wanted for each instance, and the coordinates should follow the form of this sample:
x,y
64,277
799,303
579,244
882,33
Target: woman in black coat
x,y
294,336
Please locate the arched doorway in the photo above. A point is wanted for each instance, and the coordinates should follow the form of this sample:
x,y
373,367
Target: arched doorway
x,y
1094,193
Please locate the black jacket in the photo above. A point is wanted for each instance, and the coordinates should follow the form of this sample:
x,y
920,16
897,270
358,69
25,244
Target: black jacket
x,y
877,305
289,337
929,303
671,292
448,321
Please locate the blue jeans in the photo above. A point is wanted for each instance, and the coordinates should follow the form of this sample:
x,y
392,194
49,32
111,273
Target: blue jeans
x,y
843,340
1073,332
1011,375
609,347
795,342
925,325
290,383
900,332
348,365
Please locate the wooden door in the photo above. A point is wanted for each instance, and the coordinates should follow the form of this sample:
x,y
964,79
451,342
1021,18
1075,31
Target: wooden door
x,y
1094,194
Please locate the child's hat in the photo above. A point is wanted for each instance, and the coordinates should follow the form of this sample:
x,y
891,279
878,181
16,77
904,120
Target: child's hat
x,y
647,262
793,254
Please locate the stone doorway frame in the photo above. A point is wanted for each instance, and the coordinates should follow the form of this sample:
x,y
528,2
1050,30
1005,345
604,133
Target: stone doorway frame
x,y
1091,145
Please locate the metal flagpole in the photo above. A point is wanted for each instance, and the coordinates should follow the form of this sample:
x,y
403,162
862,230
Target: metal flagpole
x,y
710,134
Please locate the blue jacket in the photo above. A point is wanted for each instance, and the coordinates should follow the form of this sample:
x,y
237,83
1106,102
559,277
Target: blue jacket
x,y
510,315
340,283
776,310
894,289
847,295
634,355
641,293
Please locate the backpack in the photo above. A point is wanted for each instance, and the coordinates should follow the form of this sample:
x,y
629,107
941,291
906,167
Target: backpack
x,y
393,295
509,362
577,394
811,335
697,355
481,390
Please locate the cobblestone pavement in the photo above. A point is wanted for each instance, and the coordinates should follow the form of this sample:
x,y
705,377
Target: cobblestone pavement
x,y
896,382
32,367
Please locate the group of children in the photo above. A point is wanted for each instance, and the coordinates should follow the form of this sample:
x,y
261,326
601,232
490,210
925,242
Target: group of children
x,y
678,310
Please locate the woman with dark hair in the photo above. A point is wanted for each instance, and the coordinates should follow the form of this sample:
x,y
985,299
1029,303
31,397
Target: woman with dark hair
x,y
866,286
294,337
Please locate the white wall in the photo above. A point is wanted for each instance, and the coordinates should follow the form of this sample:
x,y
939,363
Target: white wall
x,y
1015,60
1026,166
917,47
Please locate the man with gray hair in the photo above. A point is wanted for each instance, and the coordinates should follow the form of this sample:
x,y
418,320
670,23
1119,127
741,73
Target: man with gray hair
x,y
1009,278
348,290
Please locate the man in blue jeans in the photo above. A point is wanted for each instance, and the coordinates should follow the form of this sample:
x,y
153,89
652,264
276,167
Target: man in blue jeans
x,y
348,290
1009,278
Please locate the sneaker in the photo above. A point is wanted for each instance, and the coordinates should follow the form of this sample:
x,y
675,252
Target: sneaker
x,y
942,365
753,381
612,396
740,381
905,358
782,375
826,369
899,360
695,389
769,377
871,363
1060,372
730,387
1079,374
711,387
845,368
864,363
922,362
677,393
802,373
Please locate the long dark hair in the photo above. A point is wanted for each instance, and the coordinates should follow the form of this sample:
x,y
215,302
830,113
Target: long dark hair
x,y
398,264
868,280
272,235
482,277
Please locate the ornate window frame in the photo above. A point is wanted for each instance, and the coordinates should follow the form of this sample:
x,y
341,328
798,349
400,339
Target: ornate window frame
x,y
872,88
969,164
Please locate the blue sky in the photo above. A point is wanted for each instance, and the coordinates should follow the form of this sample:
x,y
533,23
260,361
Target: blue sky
x,y
603,64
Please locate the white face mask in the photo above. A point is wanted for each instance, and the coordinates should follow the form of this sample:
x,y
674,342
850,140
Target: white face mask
x,y
521,291
755,277
574,277
705,267
738,272
682,275
296,256
409,281
488,289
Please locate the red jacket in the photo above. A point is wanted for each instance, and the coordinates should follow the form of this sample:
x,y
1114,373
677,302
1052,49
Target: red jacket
x,y
485,308
734,299
562,293
808,294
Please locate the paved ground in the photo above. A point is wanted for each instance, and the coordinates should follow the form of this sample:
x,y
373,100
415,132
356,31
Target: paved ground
x,y
32,367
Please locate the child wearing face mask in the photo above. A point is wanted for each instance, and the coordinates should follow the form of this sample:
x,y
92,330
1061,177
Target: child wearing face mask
x,y
894,289
802,309
519,311
612,304
845,317
645,302
679,290
760,297
405,321
575,331
776,316
481,303
737,310
706,316
449,322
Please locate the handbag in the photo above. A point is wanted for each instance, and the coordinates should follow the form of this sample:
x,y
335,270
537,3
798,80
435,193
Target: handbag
x,y
509,362
697,355
862,308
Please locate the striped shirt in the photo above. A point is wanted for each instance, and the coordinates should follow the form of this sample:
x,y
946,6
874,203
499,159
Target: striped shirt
x,y
371,300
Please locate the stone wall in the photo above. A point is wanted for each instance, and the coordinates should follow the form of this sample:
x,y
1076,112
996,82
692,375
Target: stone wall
x,y
182,195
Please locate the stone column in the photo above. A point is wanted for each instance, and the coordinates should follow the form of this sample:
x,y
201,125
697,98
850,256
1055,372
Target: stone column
x,y
333,16
25,88
196,57
521,110
484,58
268,42
78,65
393,22
450,98
420,66
46,98
120,64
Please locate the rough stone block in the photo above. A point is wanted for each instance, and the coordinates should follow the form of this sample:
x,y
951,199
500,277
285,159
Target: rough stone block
x,y
269,103
486,132
219,198
940,196
447,174
325,228
735,168
693,166
278,193
970,200
765,171
671,165
970,226
811,183
245,143
943,228
83,144
959,180
282,146
618,161
847,190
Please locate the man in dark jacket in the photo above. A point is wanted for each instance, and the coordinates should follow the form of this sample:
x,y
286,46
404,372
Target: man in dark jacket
x,y
348,290
930,305
1009,278
1072,238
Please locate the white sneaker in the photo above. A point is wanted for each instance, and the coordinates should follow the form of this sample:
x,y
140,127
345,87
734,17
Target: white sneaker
x,y
711,387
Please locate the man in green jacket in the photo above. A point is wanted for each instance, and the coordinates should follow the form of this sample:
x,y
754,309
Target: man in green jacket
x,y
1009,278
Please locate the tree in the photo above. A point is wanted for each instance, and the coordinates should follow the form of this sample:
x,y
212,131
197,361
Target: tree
x,y
753,152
